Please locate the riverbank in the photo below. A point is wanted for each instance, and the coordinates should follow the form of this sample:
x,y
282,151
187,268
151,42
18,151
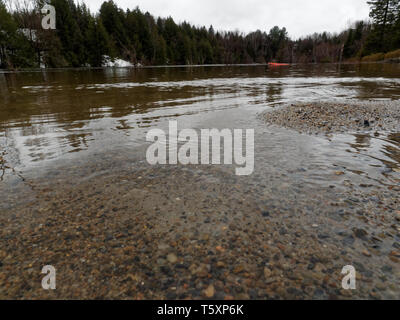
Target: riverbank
x,y
389,57
316,118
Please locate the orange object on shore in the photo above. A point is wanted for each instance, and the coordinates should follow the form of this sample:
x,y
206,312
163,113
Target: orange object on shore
x,y
274,64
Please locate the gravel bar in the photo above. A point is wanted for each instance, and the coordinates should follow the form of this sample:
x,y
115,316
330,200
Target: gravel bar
x,y
328,117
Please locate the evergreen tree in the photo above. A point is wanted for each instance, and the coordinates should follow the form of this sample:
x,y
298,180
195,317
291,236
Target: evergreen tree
x,y
15,49
348,49
69,32
384,14
98,43
114,21
160,51
277,38
8,30
83,38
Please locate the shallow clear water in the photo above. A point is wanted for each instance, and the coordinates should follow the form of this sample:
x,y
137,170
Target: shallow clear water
x,y
66,114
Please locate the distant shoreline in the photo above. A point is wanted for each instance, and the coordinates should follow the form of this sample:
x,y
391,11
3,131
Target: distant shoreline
x,y
193,66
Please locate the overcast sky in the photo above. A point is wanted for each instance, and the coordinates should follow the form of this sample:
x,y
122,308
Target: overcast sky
x,y
299,17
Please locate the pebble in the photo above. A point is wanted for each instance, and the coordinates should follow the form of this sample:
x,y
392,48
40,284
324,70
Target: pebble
x,y
267,273
360,233
238,269
395,254
220,249
172,258
366,253
210,291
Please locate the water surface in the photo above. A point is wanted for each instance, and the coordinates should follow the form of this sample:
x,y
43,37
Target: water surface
x,y
64,114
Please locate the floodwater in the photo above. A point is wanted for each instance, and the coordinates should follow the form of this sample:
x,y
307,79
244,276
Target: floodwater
x,y
67,127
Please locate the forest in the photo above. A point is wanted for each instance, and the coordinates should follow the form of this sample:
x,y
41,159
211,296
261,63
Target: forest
x,y
83,38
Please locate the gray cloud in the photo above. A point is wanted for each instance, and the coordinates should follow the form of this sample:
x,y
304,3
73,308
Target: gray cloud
x,y
299,17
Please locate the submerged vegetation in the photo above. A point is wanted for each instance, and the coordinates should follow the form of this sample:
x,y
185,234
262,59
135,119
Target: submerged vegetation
x,y
83,38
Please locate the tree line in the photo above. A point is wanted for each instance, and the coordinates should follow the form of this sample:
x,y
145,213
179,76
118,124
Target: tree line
x,y
83,38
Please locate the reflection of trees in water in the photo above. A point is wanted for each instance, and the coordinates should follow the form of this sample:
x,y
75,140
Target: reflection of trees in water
x,y
7,86
362,141
124,125
274,92
370,89
78,141
4,92
377,70
39,104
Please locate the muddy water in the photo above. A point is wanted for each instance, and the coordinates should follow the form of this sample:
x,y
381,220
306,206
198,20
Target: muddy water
x,y
73,160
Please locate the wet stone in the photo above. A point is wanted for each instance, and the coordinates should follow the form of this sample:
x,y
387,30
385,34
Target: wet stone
x,y
360,233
